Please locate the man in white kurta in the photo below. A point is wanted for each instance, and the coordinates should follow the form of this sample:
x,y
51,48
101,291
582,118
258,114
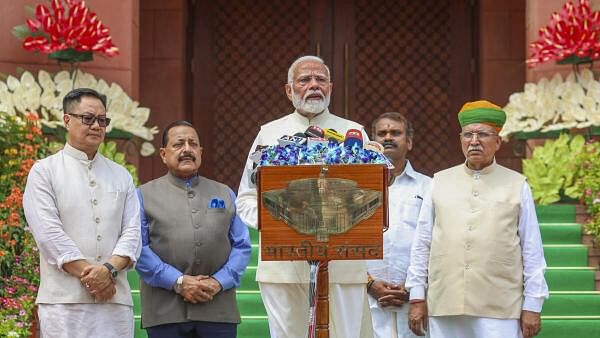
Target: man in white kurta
x,y
84,214
386,291
284,285
478,249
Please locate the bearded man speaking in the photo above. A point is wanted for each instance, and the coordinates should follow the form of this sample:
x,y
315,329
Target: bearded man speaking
x,y
284,285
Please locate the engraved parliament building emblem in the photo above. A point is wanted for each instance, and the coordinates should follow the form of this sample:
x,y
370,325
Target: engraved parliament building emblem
x,y
322,206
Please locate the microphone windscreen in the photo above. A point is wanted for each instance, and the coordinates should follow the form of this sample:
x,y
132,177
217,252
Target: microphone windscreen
x,y
314,131
333,135
353,138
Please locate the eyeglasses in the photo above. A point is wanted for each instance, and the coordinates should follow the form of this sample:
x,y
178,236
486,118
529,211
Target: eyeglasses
x,y
481,135
89,120
305,80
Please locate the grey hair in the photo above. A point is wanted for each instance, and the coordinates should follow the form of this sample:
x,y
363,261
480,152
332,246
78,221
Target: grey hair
x,y
305,59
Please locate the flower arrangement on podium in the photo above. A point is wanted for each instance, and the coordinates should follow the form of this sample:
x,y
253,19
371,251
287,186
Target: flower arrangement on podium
x,y
319,153
70,33
571,37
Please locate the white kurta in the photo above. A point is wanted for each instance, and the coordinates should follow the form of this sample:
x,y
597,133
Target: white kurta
x,y
405,198
282,284
534,266
80,209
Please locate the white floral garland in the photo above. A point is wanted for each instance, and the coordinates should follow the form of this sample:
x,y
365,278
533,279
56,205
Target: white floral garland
x,y
45,95
555,104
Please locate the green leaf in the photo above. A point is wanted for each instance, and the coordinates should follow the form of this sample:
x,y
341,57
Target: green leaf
x,y
119,158
71,56
21,31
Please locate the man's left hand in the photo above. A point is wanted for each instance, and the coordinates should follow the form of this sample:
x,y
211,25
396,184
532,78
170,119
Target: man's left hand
x,y
210,286
95,278
530,323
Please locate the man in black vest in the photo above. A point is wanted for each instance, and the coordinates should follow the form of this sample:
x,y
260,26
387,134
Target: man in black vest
x,y
195,247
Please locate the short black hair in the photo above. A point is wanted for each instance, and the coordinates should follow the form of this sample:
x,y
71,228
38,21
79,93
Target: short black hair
x,y
75,95
395,116
178,123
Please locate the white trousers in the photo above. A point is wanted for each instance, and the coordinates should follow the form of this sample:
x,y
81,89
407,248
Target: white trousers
x,y
390,323
287,308
473,327
85,320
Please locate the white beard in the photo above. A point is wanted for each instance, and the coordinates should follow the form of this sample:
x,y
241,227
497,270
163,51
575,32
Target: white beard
x,y
310,107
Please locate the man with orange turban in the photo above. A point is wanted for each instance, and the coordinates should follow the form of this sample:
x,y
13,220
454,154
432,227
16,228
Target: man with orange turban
x,y
478,248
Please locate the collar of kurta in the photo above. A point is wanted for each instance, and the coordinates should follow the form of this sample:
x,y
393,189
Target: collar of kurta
x,y
181,183
314,121
485,171
408,171
78,154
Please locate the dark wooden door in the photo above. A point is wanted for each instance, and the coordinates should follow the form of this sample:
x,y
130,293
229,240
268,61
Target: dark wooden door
x,y
409,56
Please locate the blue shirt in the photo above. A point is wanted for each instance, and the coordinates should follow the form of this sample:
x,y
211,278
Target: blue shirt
x,y
157,273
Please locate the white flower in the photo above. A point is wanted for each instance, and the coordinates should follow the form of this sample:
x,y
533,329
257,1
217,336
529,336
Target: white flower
x,y
554,104
44,97
147,149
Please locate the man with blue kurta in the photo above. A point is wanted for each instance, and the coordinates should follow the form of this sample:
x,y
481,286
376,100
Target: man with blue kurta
x,y
387,295
478,248
194,246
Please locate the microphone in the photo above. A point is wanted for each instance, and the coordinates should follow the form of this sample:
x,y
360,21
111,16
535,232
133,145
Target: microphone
x,y
353,139
314,131
332,135
293,140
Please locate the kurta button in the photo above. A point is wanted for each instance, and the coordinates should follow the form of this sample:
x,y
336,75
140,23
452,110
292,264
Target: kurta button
x,y
475,193
468,246
90,166
473,210
99,237
191,194
95,201
467,267
197,226
92,183
98,258
194,211
198,244
97,219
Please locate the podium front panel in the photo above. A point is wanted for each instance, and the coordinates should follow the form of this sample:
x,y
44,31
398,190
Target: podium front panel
x,y
322,212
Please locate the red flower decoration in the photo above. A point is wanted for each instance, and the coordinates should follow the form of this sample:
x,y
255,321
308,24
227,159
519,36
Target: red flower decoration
x,y
570,37
79,30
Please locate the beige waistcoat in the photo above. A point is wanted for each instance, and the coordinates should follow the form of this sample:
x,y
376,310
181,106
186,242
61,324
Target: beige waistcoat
x,y
475,265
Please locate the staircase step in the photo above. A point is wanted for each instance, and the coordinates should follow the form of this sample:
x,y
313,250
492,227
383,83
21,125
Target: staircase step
x,y
254,255
248,282
571,278
561,233
137,304
134,279
577,327
559,213
566,254
253,327
250,303
138,331
572,304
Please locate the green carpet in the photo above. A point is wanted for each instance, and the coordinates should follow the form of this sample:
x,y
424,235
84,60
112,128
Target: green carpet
x,y
572,311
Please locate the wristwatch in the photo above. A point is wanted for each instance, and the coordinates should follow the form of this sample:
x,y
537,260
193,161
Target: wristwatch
x,y
112,270
178,285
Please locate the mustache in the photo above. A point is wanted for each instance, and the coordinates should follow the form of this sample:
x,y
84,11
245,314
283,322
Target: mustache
x,y
186,156
389,143
475,148
313,92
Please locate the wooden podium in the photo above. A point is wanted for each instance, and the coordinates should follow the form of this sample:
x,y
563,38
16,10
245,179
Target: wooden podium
x,y
323,213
